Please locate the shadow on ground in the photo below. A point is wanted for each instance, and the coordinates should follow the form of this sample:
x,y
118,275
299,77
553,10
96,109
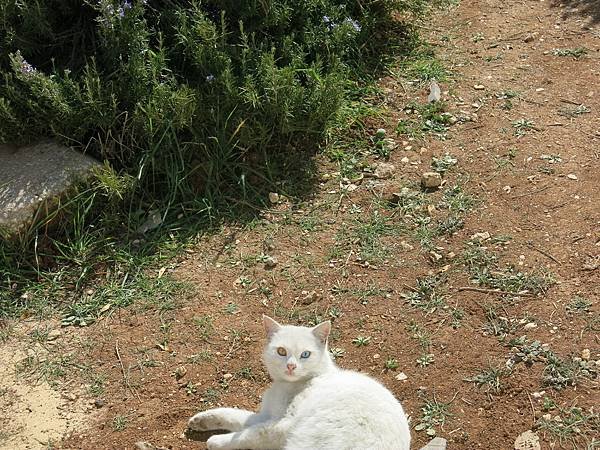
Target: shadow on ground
x,y
585,8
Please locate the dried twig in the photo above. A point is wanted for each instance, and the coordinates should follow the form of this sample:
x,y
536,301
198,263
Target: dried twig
x,y
125,377
493,291
543,252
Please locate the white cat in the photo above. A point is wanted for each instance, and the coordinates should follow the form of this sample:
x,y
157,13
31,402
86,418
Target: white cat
x,y
312,404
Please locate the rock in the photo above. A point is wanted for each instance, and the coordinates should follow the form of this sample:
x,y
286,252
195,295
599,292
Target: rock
x,y
481,236
227,376
527,440
529,38
270,262
310,297
53,335
34,177
530,326
274,197
585,354
99,403
572,176
479,87
431,180
401,377
384,170
436,444
435,93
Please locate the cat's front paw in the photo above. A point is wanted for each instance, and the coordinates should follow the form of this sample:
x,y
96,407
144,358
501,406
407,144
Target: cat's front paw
x,y
205,421
219,442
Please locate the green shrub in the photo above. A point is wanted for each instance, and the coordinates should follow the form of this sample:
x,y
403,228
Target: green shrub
x,y
190,103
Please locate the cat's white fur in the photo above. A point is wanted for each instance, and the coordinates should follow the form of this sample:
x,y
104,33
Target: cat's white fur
x,y
314,405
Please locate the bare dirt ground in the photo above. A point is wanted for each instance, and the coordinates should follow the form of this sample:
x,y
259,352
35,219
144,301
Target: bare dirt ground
x,y
477,303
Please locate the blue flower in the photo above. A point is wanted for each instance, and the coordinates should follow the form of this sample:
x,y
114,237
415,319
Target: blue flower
x,y
210,78
127,4
121,12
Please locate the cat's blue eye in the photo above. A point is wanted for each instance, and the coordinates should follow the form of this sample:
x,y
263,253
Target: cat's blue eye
x,y
305,354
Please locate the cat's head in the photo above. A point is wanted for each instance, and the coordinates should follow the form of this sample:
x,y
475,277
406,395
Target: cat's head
x,y
296,353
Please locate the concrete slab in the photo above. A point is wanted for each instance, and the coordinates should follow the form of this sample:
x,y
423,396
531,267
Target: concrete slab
x,y
32,176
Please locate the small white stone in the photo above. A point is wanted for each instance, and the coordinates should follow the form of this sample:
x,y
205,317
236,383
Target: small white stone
x,y
585,354
401,377
572,176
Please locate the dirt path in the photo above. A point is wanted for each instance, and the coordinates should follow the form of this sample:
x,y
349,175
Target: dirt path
x,y
518,212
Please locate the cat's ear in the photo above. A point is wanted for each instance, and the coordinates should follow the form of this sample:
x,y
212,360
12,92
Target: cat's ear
x,y
322,331
271,327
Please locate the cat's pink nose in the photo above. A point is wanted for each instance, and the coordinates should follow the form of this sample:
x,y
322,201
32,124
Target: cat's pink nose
x,y
291,367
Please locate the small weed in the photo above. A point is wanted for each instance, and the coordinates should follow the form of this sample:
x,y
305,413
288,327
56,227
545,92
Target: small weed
x,y
211,396
572,425
232,308
420,334
498,325
48,369
198,358
456,200
572,112
560,373
96,386
425,359
246,373
457,315
337,352
443,163
391,364
426,295
522,126
205,326
575,53
450,225
579,305
433,414
190,388
119,423
361,341
490,378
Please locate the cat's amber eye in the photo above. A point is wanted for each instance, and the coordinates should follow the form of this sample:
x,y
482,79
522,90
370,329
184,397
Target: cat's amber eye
x,y
281,351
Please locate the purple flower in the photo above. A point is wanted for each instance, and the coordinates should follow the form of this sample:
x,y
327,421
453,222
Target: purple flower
x,y
121,12
127,5
23,66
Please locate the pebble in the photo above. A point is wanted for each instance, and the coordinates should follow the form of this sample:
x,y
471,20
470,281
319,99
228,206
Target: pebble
x,y
401,377
530,326
54,334
435,93
227,376
481,236
527,440
384,170
274,197
405,160
270,262
479,87
376,356
572,176
431,180
585,354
